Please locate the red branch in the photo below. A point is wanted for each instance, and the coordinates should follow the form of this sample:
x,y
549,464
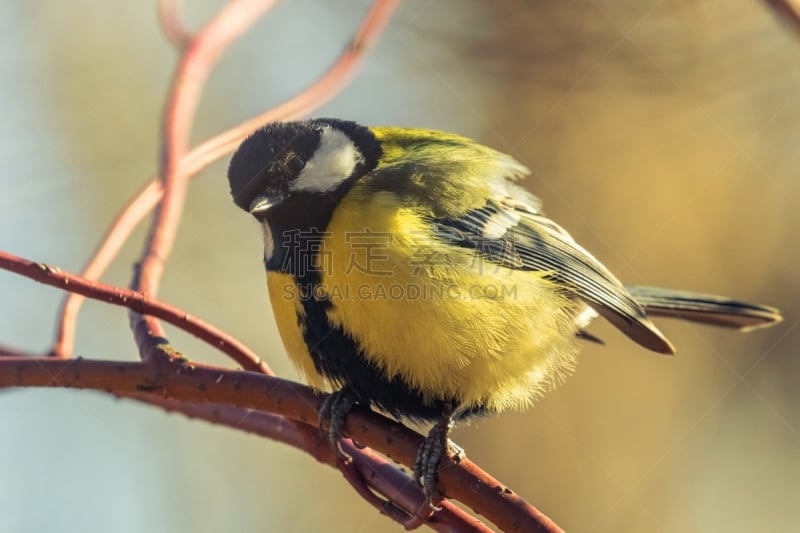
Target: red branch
x,y
333,81
177,378
369,468
116,236
196,62
138,303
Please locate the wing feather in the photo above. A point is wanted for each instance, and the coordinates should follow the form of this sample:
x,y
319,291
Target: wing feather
x,y
468,193
530,241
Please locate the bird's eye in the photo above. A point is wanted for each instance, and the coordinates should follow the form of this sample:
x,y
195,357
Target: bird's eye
x,y
295,163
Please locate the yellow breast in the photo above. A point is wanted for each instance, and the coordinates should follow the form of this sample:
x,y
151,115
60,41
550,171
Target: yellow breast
x,y
435,315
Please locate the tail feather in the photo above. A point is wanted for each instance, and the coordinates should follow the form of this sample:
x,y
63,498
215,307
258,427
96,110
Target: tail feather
x,y
705,308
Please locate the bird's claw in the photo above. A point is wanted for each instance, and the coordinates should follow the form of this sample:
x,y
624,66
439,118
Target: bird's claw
x,y
436,446
333,412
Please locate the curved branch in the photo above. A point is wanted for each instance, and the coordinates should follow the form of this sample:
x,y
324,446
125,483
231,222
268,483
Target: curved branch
x,y
138,303
193,69
115,237
401,492
179,379
304,103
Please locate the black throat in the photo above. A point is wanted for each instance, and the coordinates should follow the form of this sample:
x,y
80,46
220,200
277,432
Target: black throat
x,y
298,225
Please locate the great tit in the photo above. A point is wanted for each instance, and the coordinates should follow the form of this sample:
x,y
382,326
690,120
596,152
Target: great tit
x,y
409,272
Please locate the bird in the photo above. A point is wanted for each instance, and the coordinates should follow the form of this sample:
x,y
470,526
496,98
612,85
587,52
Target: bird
x,y
409,272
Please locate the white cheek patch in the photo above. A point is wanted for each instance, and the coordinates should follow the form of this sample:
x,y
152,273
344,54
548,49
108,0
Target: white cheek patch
x,y
332,163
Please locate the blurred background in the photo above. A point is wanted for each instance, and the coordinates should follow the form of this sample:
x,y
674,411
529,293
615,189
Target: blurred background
x,y
662,134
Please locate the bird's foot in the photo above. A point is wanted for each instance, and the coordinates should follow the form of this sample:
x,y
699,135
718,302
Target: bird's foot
x,y
436,446
333,411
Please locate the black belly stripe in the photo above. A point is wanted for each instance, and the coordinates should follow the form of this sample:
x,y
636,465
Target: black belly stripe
x,y
337,357
334,352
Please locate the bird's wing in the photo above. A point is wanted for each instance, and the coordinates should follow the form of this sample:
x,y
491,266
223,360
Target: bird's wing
x,y
467,192
509,233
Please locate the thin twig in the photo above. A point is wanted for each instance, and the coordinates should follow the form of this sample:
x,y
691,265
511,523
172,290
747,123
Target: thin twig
x,y
138,303
788,9
303,104
10,351
170,16
193,69
115,237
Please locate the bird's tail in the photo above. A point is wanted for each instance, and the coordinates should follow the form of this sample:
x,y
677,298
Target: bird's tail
x,y
705,308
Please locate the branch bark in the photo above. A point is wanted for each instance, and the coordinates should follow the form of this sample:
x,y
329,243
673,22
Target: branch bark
x,y
177,378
